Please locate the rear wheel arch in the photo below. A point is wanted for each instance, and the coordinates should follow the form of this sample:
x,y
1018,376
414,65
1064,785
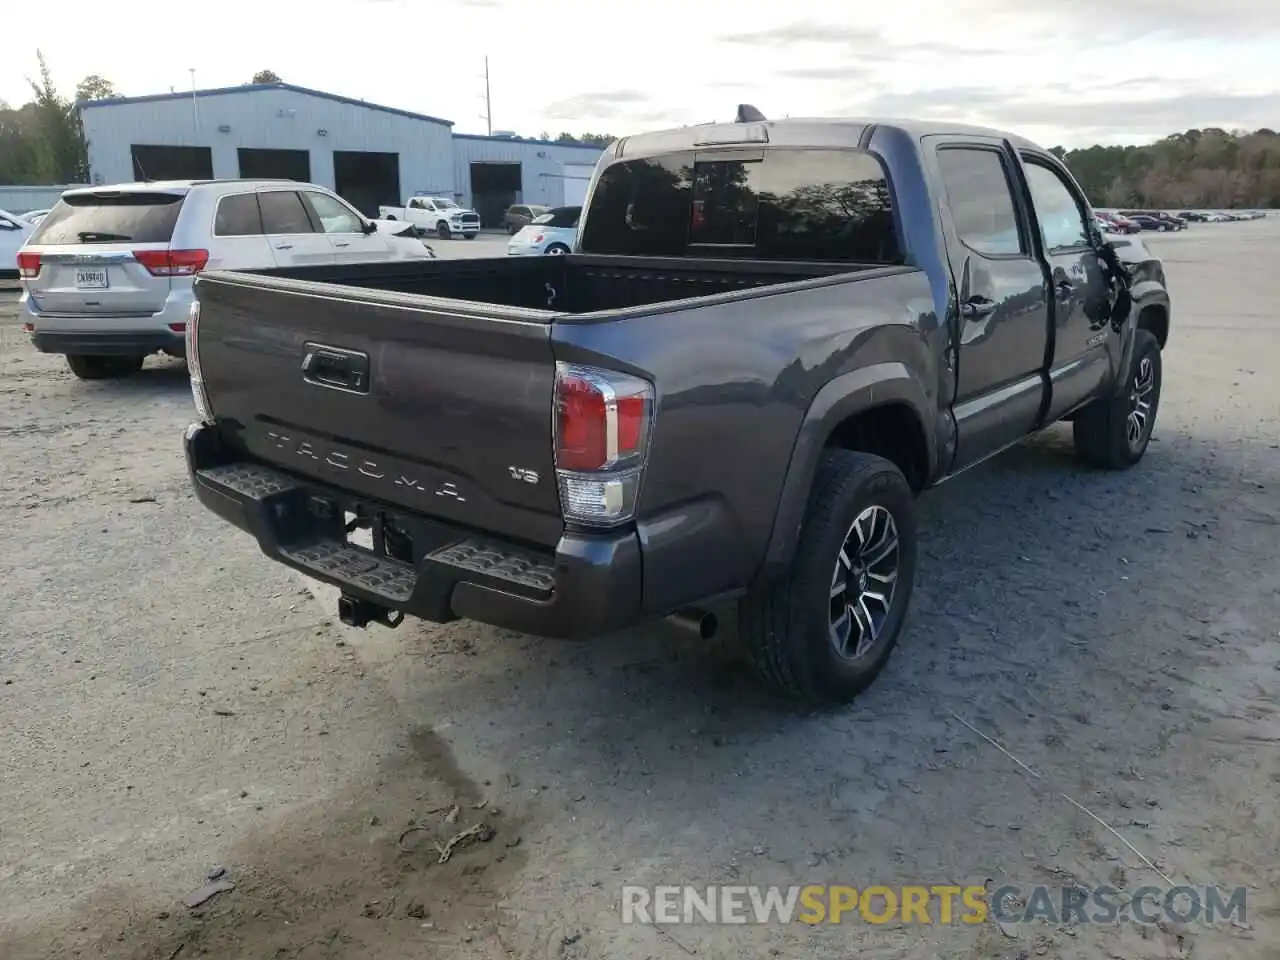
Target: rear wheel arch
x,y
890,430
885,408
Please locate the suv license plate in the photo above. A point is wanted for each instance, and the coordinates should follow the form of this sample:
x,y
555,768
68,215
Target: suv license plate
x,y
91,279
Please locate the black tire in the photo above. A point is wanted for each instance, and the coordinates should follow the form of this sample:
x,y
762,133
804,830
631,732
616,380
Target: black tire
x,y
391,216
88,367
555,250
787,627
442,230
1102,431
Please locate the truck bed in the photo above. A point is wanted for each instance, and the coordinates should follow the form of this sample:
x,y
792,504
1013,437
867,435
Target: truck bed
x,y
570,284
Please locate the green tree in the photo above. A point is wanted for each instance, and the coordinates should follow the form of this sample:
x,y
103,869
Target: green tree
x,y
94,87
266,76
594,139
59,147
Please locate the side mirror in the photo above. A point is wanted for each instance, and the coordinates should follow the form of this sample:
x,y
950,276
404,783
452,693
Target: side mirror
x,y
367,227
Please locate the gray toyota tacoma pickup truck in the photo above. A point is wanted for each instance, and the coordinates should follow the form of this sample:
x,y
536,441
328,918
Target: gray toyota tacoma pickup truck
x,y
770,338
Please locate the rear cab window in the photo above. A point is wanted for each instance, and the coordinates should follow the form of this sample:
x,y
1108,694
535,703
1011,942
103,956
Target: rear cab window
x,y
110,217
779,204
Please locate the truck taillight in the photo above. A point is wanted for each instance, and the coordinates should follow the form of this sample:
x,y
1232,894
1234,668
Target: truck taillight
x,y
602,425
28,265
198,394
172,263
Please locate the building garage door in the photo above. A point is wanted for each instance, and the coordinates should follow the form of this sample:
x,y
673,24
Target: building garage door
x,y
171,163
494,187
576,178
367,180
275,164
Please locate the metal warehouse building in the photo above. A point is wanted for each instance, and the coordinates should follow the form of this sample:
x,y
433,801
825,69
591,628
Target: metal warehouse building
x,y
491,171
368,153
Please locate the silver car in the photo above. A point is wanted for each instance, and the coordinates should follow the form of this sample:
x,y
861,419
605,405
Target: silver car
x,y
551,234
107,275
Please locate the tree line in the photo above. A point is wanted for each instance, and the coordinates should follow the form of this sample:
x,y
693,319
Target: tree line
x,y
42,141
1209,168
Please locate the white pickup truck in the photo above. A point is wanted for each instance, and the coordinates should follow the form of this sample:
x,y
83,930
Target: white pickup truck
x,y
438,215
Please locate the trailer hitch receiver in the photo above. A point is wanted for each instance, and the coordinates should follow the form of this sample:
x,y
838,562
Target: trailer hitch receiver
x,y
357,612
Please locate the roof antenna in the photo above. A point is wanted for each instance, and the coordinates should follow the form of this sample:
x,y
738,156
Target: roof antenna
x,y
748,114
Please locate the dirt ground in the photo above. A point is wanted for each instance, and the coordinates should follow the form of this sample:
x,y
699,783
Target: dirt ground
x,y
175,702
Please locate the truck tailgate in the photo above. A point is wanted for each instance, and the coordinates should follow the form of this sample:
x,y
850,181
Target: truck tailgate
x,y
438,407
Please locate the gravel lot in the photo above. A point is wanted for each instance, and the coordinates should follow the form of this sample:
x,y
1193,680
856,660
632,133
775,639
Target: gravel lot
x,y
175,701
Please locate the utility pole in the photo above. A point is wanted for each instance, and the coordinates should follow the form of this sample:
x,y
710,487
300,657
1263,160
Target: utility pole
x,y
195,103
488,109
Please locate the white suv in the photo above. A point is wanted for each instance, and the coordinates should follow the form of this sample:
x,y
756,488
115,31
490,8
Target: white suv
x,y
14,231
108,273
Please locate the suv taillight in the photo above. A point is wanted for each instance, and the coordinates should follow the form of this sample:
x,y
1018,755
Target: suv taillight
x,y
28,265
198,394
602,425
172,263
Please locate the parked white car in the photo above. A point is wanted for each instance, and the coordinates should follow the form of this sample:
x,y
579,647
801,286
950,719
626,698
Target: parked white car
x,y
108,274
437,215
552,234
13,234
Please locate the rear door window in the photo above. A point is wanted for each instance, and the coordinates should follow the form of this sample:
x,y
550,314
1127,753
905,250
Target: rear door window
x,y
283,212
334,216
980,197
238,216
786,204
124,217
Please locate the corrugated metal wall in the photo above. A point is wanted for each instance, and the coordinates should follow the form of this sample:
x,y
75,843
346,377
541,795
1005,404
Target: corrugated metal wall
x,y
542,165
21,199
279,119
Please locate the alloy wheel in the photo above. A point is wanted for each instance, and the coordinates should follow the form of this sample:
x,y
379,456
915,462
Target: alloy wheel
x,y
864,581
1139,420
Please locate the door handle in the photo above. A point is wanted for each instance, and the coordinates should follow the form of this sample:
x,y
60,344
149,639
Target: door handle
x,y
977,306
335,367
284,246
342,243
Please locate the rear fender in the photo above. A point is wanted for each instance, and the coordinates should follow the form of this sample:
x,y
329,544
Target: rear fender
x,y
851,393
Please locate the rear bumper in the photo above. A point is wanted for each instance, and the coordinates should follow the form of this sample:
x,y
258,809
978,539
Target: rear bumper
x,y
590,584
112,335
110,344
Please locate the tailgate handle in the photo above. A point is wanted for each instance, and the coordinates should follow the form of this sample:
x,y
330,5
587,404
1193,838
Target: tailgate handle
x,y
336,368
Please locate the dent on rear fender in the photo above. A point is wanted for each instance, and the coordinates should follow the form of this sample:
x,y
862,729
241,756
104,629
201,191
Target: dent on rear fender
x,y
876,385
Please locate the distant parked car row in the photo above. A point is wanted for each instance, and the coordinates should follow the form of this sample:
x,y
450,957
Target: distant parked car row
x,y
1135,221
1201,216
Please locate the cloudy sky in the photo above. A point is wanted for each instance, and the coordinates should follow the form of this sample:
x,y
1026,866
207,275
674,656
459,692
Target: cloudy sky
x,y
1059,71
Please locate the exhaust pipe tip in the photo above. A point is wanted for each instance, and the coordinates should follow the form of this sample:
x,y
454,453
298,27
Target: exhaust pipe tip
x,y
703,621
